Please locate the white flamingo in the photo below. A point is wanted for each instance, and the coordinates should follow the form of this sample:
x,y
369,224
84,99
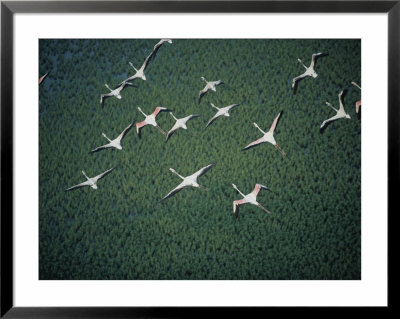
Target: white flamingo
x,y
180,123
114,92
358,103
309,70
210,85
140,72
116,143
268,136
249,198
340,113
221,111
91,181
151,119
188,181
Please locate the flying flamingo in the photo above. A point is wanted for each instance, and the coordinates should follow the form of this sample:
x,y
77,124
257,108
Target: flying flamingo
x,y
221,111
188,180
249,198
42,77
180,123
210,85
358,103
268,137
116,143
309,70
91,181
151,119
340,113
114,92
140,72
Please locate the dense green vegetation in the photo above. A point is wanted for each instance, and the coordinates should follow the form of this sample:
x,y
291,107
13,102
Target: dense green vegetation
x,y
114,232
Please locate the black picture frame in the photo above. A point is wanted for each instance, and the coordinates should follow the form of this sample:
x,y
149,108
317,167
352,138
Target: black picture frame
x,y
9,8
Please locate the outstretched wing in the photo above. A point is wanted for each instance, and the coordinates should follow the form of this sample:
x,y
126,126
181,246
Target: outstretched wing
x,y
333,118
103,97
42,77
100,148
158,45
171,131
87,183
202,92
160,109
257,188
341,107
296,79
213,119
229,107
96,178
314,58
139,126
252,144
121,136
203,170
236,205
272,128
173,192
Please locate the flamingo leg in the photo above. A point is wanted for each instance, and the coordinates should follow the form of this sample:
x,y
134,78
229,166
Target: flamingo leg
x,y
280,150
161,130
266,210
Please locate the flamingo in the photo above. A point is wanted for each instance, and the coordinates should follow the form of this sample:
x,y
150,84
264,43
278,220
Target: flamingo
x,y
140,72
268,137
151,119
180,123
249,198
340,113
309,70
114,92
116,143
91,181
188,180
210,85
41,79
221,111
358,103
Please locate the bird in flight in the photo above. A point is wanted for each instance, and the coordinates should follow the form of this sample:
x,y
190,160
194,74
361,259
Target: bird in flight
x,y
340,113
358,103
116,143
210,85
221,111
91,181
151,119
188,181
249,198
140,72
268,136
180,123
309,70
114,92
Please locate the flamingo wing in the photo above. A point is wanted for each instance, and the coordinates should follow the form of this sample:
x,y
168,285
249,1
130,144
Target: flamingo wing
x,y
96,178
256,142
160,109
42,77
103,97
121,136
333,118
171,131
272,128
203,170
236,205
213,118
358,104
257,188
314,58
341,107
87,183
139,126
202,92
100,148
174,191
296,79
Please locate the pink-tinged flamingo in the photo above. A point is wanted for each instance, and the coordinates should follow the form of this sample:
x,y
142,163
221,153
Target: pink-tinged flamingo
x,y
309,70
249,198
91,181
221,111
210,85
268,136
151,119
358,103
340,113
41,79
188,181
114,92
116,143
180,123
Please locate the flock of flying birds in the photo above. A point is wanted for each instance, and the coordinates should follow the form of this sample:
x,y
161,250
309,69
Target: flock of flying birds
x,y
191,180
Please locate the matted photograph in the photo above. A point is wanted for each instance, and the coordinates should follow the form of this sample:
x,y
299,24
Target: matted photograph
x,y
199,159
